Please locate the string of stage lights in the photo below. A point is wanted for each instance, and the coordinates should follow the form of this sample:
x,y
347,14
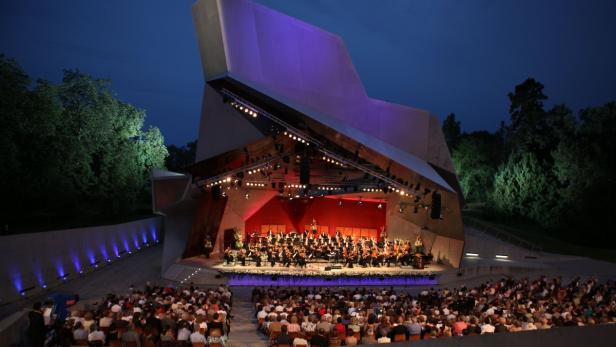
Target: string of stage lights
x,y
300,136
329,157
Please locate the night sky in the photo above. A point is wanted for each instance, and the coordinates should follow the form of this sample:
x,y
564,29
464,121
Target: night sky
x,y
443,56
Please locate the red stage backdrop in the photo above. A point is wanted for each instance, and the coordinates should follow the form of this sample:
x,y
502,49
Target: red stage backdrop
x,y
297,213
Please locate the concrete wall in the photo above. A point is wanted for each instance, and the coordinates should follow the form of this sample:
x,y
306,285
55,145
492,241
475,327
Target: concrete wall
x,y
37,259
178,223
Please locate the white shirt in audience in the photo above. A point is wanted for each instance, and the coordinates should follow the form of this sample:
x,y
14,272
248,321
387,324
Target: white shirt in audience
x,y
300,341
105,322
96,336
183,334
197,337
383,339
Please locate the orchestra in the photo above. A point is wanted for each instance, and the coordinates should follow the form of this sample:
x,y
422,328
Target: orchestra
x,y
297,249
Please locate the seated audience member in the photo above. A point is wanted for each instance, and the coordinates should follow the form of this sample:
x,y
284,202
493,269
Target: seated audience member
x,y
275,326
324,325
340,328
95,334
198,336
320,339
183,332
369,337
399,329
79,333
350,340
168,335
293,327
131,336
106,320
283,338
383,339
300,341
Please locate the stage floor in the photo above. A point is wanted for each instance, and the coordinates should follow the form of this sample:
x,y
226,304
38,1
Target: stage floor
x,y
318,269
199,270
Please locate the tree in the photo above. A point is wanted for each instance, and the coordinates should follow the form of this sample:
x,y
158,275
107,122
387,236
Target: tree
x,y
476,158
585,171
452,131
181,157
528,124
72,148
522,188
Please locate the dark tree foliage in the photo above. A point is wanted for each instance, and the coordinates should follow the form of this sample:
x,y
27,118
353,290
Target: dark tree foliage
x,y
546,166
71,148
528,126
452,131
181,157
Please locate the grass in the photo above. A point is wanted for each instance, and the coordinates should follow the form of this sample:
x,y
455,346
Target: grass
x,y
534,236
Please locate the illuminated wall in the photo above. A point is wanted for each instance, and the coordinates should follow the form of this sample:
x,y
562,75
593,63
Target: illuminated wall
x,y
42,259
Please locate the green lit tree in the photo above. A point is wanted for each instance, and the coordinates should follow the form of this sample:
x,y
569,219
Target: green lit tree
x,y
72,148
522,187
476,159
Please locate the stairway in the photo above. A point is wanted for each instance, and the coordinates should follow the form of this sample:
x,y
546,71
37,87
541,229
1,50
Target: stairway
x,y
244,324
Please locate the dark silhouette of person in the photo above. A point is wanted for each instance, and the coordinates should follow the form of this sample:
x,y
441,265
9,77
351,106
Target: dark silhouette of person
x,y
36,326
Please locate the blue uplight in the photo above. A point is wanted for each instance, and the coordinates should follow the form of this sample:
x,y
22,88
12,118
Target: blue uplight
x,y
17,283
104,252
153,232
91,256
136,241
76,263
144,236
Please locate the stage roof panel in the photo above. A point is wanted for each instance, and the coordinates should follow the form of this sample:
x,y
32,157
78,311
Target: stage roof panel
x,y
309,67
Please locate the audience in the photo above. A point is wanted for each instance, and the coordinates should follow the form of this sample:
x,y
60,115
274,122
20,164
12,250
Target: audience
x,y
166,316
370,315
156,316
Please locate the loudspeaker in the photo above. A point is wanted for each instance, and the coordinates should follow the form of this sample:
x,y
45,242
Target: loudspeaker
x,y
279,147
435,213
304,171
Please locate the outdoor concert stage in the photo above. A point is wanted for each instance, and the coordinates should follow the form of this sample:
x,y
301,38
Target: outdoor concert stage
x,y
290,140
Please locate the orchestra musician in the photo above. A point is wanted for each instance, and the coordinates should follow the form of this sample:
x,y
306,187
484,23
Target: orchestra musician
x,y
228,255
313,226
297,249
